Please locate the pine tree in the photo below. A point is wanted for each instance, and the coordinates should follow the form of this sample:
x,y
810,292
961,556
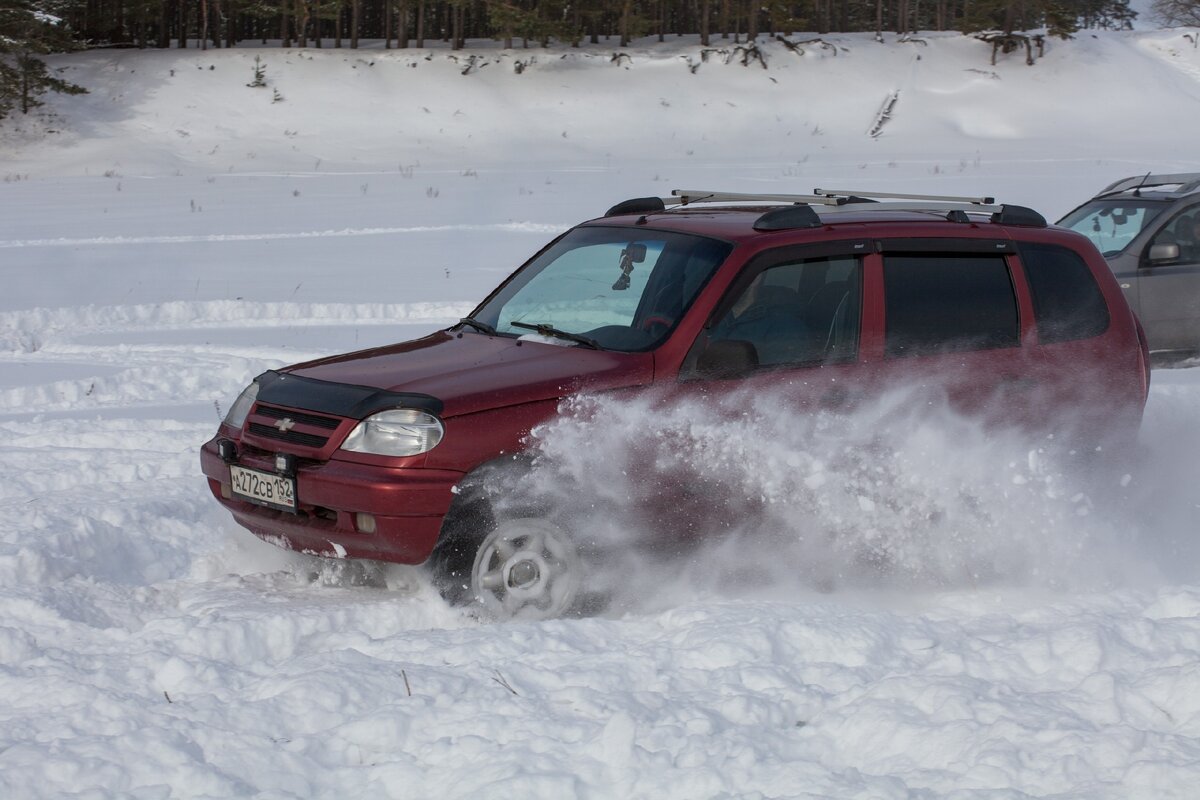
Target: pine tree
x,y
1177,12
29,29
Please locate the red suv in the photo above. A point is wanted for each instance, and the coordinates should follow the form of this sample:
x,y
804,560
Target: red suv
x,y
827,298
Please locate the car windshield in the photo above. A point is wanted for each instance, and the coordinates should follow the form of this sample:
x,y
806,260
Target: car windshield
x,y
618,288
1112,224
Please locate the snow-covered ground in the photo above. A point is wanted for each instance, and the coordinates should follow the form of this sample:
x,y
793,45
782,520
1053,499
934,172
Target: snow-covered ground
x,y
175,232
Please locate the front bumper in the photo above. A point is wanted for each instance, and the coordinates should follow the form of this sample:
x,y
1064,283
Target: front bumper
x,y
405,505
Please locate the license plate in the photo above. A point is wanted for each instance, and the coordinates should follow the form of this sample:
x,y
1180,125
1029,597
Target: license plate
x,y
264,488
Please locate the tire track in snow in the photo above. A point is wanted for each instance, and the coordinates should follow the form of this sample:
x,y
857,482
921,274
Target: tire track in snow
x,y
154,373
94,452
94,241
1175,53
28,330
175,378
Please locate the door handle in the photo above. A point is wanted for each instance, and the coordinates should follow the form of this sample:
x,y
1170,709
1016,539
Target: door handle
x,y
1019,384
839,397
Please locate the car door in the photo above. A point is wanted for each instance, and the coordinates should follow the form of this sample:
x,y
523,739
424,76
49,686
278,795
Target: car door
x,y
957,328
782,341
1168,297
790,323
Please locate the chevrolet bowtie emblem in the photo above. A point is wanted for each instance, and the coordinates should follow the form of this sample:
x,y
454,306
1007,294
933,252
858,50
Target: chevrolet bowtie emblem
x,y
285,424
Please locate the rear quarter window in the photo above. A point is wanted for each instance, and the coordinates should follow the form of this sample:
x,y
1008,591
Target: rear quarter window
x,y
1067,303
948,302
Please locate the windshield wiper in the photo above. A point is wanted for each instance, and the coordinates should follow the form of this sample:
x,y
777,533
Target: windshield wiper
x,y
482,327
550,330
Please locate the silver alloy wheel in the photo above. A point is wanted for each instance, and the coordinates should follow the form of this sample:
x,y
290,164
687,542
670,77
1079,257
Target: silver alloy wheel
x,y
526,569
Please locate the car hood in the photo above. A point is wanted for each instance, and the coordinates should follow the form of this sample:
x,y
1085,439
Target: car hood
x,y
470,372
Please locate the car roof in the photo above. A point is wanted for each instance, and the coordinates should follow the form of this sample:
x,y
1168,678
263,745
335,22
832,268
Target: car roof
x,y
1172,186
739,217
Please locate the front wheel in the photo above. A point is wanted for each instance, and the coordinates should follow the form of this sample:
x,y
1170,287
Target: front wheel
x,y
528,569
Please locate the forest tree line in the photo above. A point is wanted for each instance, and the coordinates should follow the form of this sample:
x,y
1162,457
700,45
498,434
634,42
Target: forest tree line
x,y
524,23
30,29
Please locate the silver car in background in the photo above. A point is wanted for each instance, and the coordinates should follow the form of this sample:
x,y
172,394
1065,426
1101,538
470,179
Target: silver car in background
x,y
1148,228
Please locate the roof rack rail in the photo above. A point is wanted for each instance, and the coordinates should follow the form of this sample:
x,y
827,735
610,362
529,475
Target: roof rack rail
x,y
956,207
943,198
797,211
689,196
684,197
1188,182
939,206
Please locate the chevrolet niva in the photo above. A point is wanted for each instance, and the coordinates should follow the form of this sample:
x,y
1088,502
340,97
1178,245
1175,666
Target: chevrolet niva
x,y
823,298
1148,228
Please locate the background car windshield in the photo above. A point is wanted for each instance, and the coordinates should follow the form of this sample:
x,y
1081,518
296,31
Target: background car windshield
x,y
621,287
1111,224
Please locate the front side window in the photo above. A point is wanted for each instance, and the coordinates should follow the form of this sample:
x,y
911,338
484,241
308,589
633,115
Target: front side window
x,y
1183,230
947,302
1067,303
621,287
800,312
1112,224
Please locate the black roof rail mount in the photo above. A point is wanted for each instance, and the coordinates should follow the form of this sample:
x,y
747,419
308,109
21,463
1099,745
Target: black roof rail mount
x,y
638,205
1020,216
787,218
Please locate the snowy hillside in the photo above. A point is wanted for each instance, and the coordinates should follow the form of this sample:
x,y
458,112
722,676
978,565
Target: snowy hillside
x,y
651,113
175,232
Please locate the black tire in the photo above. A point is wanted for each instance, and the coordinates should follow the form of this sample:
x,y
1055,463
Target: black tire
x,y
452,558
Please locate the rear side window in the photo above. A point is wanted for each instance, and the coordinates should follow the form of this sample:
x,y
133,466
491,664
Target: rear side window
x,y
947,302
1067,303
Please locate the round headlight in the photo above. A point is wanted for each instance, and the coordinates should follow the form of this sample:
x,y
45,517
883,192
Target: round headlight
x,y
241,407
399,432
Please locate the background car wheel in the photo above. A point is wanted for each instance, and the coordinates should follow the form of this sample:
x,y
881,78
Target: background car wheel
x,y
526,568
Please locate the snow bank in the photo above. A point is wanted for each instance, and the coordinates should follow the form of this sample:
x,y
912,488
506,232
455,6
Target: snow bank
x,y
1036,631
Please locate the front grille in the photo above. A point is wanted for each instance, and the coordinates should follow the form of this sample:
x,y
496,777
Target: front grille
x,y
300,418
300,428
292,436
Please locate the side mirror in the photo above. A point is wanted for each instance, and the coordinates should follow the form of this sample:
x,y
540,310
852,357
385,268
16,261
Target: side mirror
x,y
1163,252
726,358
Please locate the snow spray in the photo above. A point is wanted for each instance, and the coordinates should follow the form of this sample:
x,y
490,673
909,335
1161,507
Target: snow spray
x,y
731,496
